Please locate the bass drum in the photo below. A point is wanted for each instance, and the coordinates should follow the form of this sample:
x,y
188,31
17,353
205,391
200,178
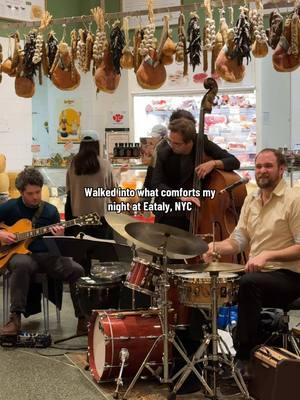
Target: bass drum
x,y
111,331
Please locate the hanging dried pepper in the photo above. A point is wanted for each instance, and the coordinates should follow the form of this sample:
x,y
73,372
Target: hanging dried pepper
x,y
52,45
117,43
29,68
194,39
242,38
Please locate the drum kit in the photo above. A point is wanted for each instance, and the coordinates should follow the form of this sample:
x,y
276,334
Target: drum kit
x,y
140,342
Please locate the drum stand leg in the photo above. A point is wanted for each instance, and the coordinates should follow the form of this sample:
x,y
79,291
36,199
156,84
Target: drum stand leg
x,y
216,359
167,337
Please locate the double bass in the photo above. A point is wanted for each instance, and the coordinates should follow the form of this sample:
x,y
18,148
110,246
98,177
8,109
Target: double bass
x,y
219,214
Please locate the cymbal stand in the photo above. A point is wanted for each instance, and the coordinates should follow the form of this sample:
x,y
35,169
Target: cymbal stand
x,y
134,254
168,336
203,356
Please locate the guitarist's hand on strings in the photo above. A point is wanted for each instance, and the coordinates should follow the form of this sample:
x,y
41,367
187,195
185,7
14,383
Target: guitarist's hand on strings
x,y
7,237
57,230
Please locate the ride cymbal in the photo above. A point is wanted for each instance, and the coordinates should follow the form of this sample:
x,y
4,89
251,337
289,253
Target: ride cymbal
x,y
177,242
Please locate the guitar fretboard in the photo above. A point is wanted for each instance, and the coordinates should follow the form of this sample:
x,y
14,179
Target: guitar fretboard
x,y
44,229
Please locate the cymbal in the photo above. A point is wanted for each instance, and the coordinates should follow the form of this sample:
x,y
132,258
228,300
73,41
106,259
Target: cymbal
x,y
179,243
211,267
118,223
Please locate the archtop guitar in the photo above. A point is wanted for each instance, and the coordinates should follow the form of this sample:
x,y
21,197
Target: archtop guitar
x,y
24,234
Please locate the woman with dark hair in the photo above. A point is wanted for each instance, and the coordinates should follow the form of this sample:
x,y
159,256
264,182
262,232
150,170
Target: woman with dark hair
x,y
87,172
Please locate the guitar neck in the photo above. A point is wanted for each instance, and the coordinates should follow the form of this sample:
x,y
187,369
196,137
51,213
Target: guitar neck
x,y
44,229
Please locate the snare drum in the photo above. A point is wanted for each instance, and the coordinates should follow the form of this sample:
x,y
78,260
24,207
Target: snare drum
x,y
143,276
194,289
111,331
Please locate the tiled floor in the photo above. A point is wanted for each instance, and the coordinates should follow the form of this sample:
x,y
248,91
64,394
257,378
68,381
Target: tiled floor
x,y
57,373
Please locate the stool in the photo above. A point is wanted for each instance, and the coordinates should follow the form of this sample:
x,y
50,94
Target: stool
x,y
38,278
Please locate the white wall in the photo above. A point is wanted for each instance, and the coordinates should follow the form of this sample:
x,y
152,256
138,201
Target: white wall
x,y
15,122
295,109
274,105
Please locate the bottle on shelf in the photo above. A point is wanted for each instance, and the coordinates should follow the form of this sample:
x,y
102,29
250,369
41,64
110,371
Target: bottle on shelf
x,y
121,150
116,150
136,150
128,152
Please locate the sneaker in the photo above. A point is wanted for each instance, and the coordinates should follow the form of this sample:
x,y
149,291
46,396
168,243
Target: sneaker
x,y
13,326
82,326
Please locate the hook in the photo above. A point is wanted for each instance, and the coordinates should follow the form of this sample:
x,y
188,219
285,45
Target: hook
x,y
64,32
83,22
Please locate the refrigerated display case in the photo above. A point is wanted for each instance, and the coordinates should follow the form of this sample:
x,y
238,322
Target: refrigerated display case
x,y
232,123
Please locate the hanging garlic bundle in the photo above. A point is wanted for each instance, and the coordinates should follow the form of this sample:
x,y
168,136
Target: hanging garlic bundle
x,y
209,34
209,30
100,43
39,43
81,49
127,56
260,45
148,42
37,57
89,44
74,42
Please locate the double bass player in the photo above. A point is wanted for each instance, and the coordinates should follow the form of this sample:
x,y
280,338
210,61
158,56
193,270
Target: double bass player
x,y
175,164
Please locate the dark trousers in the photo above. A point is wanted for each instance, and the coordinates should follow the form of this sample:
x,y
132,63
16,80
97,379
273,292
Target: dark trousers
x,y
257,290
23,266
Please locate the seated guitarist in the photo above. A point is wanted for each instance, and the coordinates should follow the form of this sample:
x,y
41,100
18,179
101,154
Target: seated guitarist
x,y
22,266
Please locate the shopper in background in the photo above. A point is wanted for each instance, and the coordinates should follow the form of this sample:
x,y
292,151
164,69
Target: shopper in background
x,y
270,224
88,170
23,266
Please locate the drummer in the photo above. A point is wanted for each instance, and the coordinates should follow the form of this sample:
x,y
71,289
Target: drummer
x,y
270,224
174,167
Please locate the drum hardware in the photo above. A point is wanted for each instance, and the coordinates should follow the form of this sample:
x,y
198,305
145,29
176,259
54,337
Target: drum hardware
x,y
202,354
167,336
124,355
